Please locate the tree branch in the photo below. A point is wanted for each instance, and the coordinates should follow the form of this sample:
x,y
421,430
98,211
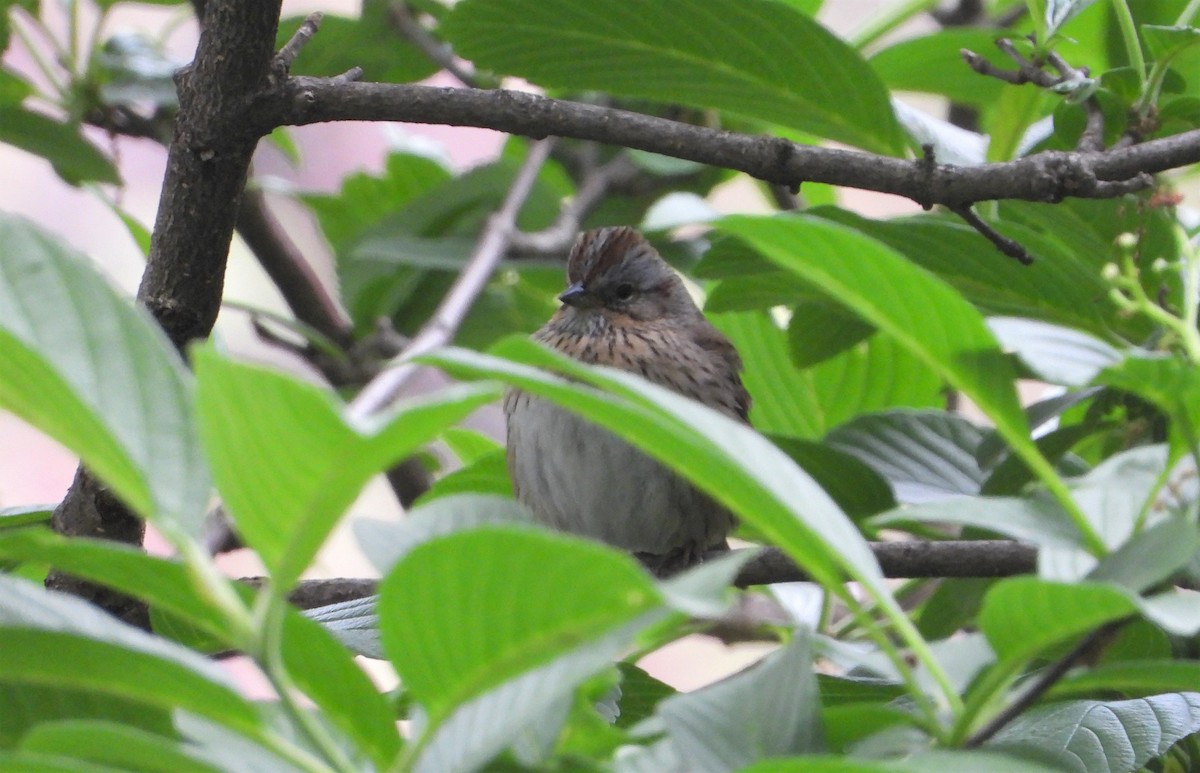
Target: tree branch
x,y
1048,176
975,558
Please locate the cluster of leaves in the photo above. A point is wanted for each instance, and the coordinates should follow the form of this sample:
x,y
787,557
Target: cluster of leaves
x,y
883,317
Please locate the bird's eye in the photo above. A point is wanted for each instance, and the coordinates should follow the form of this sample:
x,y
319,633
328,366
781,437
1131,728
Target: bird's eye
x,y
624,291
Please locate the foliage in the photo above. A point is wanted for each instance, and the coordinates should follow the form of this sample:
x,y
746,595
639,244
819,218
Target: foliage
x,y
516,647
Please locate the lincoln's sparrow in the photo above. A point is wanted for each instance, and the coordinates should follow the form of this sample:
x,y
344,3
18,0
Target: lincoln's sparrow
x,y
625,308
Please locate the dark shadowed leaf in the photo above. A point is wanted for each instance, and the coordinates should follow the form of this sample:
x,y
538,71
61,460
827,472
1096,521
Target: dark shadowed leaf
x,y
93,652
925,455
753,58
820,329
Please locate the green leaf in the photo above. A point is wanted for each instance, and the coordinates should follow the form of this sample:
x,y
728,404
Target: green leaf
x,y
25,515
486,475
93,371
1059,12
1165,43
133,69
331,678
62,642
529,704
27,706
1013,114
35,762
1175,610
925,455
1113,495
921,312
1056,354
107,743
821,329
933,64
470,587
74,158
386,542
1102,737
640,695
364,199
807,403
950,144
164,584
218,746
923,762
954,604
1063,287
13,88
753,58
310,463
469,445
768,710
1024,615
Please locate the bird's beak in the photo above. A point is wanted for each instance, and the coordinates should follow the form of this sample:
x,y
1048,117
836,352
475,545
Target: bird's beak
x,y
574,295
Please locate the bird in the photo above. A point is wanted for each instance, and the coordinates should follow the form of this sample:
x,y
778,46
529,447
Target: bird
x,y
624,307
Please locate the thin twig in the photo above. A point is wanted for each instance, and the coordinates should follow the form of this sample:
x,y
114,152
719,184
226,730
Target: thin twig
x,y
287,55
785,197
476,273
1009,247
594,186
1045,680
1092,137
436,51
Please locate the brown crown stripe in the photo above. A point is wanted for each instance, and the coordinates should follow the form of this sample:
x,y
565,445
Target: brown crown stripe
x,y
595,252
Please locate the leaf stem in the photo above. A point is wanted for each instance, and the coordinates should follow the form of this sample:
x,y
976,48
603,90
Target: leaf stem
x,y
1130,37
269,656
1049,477
916,644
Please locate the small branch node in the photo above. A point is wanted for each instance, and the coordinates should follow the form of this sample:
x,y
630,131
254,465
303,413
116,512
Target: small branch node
x,y
349,76
1111,189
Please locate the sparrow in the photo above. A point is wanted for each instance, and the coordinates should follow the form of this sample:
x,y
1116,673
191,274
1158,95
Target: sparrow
x,y
624,307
